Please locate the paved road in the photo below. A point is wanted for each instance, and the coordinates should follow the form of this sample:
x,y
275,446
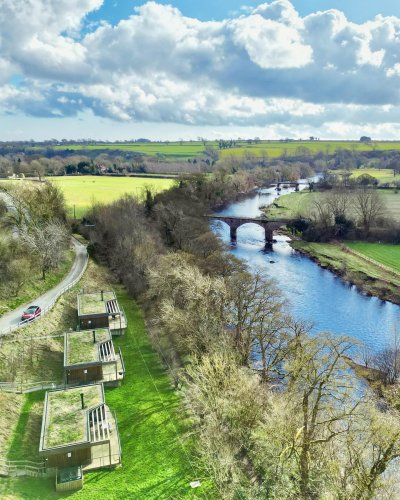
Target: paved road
x,y
12,318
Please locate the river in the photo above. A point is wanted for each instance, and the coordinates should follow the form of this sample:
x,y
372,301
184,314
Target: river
x,y
314,294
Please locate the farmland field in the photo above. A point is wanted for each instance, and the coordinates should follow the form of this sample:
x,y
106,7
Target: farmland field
x,y
389,255
83,191
382,175
191,149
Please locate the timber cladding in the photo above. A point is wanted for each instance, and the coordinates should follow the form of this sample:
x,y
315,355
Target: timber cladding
x,y
86,323
69,458
84,374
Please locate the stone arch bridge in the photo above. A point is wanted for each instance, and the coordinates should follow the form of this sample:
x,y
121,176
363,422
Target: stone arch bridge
x,y
269,225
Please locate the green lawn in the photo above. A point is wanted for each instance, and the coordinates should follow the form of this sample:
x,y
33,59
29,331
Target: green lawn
x,y
156,461
389,255
83,191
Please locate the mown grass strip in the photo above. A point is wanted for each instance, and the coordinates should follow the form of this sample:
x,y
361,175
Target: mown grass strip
x,y
388,255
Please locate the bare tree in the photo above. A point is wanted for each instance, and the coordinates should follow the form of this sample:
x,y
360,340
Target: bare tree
x,y
47,242
369,206
371,448
252,299
339,202
318,381
387,361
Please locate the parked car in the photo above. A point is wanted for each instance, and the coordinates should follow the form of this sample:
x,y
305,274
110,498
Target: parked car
x,y
31,313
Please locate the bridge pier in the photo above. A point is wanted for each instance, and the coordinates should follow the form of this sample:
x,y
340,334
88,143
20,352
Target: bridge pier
x,y
269,236
233,234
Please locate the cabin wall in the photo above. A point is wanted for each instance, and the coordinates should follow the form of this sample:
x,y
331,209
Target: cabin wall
x,y
88,323
78,457
78,375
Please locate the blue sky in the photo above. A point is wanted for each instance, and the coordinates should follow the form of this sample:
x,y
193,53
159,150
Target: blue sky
x,y
120,69
356,10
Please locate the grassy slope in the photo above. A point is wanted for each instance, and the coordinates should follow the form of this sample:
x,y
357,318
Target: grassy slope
x,y
293,204
151,425
10,411
82,191
35,286
155,461
388,255
369,277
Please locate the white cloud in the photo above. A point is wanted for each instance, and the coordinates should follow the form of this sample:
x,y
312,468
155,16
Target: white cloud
x,y
266,66
271,44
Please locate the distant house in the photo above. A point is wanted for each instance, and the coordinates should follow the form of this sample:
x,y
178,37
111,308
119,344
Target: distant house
x,y
101,310
89,356
78,429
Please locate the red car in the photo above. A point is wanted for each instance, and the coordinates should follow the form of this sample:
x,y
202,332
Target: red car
x,y
31,313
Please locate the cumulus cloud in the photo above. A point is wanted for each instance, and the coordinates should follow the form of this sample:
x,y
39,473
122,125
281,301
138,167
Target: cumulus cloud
x,y
268,65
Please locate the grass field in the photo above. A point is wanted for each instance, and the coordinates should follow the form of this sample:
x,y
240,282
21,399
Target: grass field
x,y
382,175
369,277
83,191
274,149
388,255
157,458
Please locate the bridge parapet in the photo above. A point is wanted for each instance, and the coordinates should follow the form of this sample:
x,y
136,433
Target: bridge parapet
x,y
269,225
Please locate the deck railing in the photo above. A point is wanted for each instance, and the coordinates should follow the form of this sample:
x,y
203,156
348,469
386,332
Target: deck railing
x,y
26,387
19,468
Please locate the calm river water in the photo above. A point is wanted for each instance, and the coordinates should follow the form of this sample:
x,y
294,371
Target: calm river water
x,y
313,293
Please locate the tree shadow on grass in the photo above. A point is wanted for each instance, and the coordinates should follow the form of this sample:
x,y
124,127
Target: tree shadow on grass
x,y
25,441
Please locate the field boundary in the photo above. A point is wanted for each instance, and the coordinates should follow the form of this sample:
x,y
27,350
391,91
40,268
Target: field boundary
x,y
371,261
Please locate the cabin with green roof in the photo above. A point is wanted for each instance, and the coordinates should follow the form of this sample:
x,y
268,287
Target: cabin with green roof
x,y
101,310
89,356
78,429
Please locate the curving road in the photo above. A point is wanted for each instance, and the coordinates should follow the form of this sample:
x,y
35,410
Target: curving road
x,y
11,319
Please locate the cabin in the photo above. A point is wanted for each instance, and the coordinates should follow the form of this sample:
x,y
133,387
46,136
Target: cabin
x,y
89,356
101,310
79,430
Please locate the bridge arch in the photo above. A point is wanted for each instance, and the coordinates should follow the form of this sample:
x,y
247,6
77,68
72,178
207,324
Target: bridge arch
x,y
234,223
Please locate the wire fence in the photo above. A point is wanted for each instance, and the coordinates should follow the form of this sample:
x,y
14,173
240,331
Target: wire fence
x,y
45,310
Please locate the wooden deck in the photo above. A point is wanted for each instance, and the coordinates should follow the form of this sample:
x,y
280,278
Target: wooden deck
x,y
107,454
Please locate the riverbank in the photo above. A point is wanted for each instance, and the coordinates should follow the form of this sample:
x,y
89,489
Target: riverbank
x,y
371,277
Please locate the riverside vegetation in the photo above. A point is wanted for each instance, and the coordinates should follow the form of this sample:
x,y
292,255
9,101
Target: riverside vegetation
x,y
274,409
352,228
